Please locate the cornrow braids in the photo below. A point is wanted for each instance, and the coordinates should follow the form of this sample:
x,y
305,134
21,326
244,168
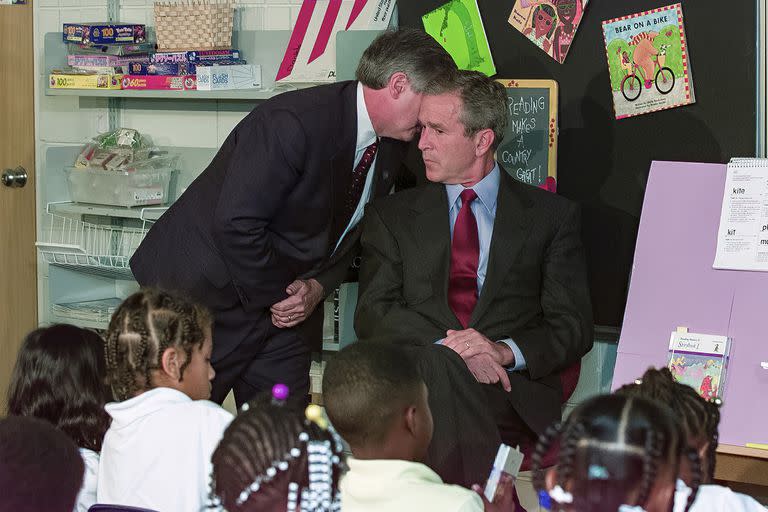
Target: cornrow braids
x,y
264,460
543,445
699,418
694,464
143,327
612,452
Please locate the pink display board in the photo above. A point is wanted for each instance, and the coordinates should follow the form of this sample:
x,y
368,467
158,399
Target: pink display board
x,y
673,284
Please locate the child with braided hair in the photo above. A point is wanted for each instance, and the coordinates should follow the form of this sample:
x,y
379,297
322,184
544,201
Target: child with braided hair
x,y
156,454
699,419
619,454
276,456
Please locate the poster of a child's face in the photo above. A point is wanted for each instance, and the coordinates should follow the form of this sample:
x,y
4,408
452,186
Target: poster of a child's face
x,y
544,20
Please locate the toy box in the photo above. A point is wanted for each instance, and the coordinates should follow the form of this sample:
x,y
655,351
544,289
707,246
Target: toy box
x,y
214,78
84,81
159,82
104,33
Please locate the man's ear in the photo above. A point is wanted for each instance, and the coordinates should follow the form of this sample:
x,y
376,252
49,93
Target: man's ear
x,y
171,362
397,84
484,141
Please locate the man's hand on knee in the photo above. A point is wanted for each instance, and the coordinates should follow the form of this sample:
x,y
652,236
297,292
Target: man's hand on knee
x,y
303,297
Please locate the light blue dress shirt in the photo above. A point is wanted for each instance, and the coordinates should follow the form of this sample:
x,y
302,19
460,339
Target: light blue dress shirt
x,y
365,137
484,210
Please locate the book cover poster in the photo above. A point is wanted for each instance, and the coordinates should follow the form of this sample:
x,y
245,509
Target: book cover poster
x,y
550,25
311,52
458,27
648,61
699,360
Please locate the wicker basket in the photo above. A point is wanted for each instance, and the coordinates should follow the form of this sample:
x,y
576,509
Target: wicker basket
x,y
194,24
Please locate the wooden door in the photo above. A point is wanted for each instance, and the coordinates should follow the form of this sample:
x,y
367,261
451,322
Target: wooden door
x,y
18,261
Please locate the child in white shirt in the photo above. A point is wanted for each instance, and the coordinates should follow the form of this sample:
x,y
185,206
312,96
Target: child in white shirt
x,y
699,419
156,453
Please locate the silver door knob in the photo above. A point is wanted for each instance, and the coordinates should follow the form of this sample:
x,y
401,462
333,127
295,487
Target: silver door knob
x,y
15,177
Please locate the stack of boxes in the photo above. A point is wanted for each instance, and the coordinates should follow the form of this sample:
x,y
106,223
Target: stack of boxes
x,y
118,56
99,54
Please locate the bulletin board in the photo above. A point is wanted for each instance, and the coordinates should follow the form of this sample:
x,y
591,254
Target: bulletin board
x,y
602,163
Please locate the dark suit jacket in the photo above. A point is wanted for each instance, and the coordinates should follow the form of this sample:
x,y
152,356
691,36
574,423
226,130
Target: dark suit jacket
x,y
535,291
267,208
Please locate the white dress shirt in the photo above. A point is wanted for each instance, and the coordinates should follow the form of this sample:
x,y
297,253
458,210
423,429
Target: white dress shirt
x,y
365,137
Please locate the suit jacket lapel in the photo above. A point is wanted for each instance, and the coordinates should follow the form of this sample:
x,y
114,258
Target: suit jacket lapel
x,y
510,230
433,235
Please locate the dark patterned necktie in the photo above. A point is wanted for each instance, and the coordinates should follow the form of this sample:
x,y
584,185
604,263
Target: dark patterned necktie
x,y
465,255
357,184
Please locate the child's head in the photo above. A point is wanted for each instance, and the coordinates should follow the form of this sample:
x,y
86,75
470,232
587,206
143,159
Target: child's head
x,y
277,456
41,468
157,339
60,377
378,402
614,451
699,418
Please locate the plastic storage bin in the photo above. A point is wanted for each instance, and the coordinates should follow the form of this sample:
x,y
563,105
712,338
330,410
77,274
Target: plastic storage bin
x,y
120,188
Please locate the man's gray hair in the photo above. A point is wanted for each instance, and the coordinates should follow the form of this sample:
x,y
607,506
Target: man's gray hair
x,y
411,51
484,104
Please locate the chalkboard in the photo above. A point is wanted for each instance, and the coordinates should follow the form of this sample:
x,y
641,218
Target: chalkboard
x,y
603,163
529,149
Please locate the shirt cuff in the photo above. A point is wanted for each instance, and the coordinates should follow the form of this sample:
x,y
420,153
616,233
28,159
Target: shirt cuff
x,y
519,359
440,341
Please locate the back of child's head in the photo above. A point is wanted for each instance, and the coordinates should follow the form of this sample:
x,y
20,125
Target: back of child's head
x,y
614,451
60,377
40,467
698,417
365,387
142,328
277,456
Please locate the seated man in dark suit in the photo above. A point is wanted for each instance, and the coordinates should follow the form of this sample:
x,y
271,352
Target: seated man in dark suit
x,y
484,275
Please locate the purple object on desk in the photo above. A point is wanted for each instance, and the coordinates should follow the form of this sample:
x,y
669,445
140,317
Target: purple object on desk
x,y
673,284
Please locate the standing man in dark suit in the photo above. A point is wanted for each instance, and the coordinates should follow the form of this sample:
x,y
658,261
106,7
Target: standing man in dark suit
x,y
484,275
271,226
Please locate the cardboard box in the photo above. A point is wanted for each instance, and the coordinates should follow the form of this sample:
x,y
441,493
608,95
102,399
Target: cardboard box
x,y
104,33
159,82
96,81
219,78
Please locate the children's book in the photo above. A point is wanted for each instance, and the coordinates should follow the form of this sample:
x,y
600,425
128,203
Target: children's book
x,y
699,360
549,24
648,61
458,27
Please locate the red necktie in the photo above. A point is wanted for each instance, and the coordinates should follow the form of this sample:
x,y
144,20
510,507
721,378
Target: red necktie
x,y
465,254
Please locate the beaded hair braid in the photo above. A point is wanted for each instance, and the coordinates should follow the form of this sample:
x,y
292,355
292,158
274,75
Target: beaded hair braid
x,y
143,327
275,457
611,450
698,417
